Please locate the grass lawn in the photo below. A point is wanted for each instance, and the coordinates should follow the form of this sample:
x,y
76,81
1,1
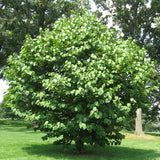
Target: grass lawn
x,y
19,143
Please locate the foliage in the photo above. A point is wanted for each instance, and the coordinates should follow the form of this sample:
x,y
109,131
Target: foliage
x,y
157,21
79,82
6,112
19,18
152,127
136,19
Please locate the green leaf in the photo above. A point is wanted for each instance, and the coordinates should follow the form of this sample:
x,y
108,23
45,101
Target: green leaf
x,y
107,121
100,91
82,125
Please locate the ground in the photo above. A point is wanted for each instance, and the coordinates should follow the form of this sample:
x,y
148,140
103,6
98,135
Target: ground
x,y
20,143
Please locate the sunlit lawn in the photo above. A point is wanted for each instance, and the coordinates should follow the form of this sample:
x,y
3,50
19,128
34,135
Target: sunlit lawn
x,y
19,143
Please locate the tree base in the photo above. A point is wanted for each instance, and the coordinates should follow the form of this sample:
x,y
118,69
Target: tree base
x,y
139,134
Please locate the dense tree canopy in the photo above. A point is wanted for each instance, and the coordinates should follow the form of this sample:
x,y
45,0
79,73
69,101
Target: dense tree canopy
x,y
79,82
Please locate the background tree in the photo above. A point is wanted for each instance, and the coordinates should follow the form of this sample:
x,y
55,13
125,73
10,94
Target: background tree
x,y
138,122
6,112
21,17
79,82
136,19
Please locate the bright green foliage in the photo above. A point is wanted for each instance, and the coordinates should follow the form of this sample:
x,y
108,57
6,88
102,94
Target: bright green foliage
x,y
157,21
78,82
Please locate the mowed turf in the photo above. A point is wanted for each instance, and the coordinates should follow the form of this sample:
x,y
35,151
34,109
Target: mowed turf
x,y
19,143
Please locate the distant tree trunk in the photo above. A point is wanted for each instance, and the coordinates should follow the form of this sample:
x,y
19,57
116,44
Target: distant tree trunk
x,y
138,123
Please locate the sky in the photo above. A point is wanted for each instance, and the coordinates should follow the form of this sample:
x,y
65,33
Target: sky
x,y
3,88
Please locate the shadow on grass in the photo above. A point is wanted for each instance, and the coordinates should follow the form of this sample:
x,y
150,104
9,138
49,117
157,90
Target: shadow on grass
x,y
14,128
91,153
157,134
14,122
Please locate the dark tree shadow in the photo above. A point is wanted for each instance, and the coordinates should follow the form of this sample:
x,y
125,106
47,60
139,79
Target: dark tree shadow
x,y
153,134
23,129
92,153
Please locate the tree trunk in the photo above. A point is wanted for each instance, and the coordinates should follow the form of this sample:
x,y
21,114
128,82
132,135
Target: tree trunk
x,y
138,123
79,146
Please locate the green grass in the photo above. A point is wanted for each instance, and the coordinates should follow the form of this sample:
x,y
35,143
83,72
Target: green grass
x,y
19,143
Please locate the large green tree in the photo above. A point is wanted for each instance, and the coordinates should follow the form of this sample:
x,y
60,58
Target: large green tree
x,y
21,17
79,82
